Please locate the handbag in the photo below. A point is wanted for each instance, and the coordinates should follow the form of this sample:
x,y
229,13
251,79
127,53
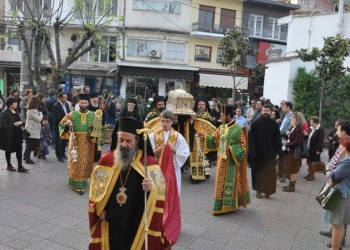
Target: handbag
x,y
304,150
329,197
297,152
25,133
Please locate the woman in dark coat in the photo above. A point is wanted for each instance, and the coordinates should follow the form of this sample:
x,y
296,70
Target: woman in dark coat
x,y
11,134
295,139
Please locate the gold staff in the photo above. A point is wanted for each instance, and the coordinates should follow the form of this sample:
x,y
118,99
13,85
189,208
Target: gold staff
x,y
145,132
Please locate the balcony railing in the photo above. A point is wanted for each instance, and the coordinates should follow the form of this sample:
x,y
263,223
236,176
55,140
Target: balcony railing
x,y
170,7
268,34
208,28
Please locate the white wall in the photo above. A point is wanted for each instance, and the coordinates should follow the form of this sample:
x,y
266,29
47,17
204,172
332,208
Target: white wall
x,y
303,32
158,20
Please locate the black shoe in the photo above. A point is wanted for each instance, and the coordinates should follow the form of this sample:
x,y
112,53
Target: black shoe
x,y
43,157
342,244
22,169
65,157
60,160
10,168
29,162
258,195
326,233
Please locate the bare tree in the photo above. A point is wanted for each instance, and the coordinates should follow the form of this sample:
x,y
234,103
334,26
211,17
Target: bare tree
x,y
41,26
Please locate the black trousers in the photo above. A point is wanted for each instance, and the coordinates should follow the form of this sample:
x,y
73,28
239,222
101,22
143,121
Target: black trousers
x,y
60,147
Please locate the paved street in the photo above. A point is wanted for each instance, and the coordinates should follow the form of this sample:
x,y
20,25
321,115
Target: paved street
x,y
39,211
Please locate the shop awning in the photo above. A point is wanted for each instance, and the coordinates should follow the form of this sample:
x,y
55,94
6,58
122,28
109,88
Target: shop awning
x,y
222,81
156,73
156,70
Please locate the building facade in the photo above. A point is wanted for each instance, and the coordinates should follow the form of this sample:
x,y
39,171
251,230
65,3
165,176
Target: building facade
x,y
210,20
154,46
265,33
304,32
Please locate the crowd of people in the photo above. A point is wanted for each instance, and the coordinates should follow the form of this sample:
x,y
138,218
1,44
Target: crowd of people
x,y
151,147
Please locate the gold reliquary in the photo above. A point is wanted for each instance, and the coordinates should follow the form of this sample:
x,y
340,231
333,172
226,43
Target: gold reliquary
x,y
180,102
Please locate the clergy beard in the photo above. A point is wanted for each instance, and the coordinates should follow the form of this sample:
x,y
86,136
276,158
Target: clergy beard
x,y
95,105
82,109
124,156
201,110
160,110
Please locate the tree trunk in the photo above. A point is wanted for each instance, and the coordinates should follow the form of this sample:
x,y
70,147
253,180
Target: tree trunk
x,y
234,85
321,101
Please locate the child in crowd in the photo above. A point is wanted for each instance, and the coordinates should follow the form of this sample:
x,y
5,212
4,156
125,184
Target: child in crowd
x,y
45,139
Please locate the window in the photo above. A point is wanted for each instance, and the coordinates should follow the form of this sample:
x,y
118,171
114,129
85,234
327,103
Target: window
x,y
104,5
143,47
45,6
206,18
256,25
227,19
219,53
203,53
15,5
175,51
162,6
85,9
108,53
273,30
137,86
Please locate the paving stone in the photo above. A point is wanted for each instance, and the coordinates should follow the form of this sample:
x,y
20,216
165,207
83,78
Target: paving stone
x,y
21,240
68,237
65,221
48,245
244,242
39,211
205,244
6,231
45,230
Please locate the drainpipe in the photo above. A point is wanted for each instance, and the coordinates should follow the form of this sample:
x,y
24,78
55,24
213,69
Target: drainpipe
x,y
340,15
124,11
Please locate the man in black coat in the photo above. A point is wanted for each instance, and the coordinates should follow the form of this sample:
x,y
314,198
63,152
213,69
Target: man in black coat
x,y
50,101
59,110
264,150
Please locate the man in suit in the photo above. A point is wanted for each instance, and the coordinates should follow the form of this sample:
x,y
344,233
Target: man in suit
x,y
59,110
284,128
315,145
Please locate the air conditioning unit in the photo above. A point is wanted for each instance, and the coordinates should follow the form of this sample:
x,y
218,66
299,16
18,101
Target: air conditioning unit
x,y
155,53
10,47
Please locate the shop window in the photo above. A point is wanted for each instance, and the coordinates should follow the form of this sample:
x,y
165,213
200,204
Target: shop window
x,y
78,81
136,86
203,53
